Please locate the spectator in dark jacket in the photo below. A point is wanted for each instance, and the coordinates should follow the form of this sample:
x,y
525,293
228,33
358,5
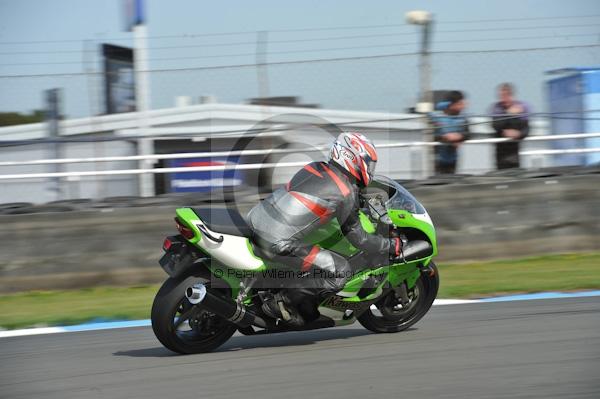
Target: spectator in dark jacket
x,y
510,120
450,128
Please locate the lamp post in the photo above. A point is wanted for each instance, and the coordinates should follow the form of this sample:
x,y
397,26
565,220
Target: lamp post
x,y
424,19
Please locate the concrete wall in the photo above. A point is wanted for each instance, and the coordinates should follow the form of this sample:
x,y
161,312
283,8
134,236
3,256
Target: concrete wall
x,y
510,219
503,219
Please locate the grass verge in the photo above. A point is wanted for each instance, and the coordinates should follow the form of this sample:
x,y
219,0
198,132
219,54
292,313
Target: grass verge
x,y
467,280
568,272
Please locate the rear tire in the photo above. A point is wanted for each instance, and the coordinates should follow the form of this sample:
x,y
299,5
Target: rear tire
x,y
389,320
170,301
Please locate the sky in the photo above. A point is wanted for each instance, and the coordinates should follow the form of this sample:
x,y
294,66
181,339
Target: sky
x,y
39,37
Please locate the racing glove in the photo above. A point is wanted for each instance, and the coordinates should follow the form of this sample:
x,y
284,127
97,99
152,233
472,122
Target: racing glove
x,y
397,244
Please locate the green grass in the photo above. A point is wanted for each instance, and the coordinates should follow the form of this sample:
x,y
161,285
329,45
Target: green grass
x,y
567,272
468,280
41,308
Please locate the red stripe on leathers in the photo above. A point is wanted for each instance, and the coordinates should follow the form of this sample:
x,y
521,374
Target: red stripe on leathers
x,y
313,171
315,208
309,259
343,188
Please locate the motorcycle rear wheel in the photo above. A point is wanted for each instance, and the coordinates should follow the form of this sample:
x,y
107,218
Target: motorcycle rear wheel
x,y
389,316
182,327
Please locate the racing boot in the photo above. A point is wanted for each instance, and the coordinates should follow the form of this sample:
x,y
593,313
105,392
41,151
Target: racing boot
x,y
280,307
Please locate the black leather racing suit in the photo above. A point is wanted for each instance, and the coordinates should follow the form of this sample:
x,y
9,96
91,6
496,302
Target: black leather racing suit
x,y
316,194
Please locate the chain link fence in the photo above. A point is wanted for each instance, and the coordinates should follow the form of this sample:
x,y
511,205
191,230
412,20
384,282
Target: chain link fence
x,y
386,83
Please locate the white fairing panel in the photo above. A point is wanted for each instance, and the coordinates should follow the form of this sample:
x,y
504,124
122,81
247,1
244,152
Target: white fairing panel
x,y
424,217
233,251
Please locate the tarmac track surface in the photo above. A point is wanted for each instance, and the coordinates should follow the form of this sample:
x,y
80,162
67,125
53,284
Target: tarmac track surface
x,y
524,349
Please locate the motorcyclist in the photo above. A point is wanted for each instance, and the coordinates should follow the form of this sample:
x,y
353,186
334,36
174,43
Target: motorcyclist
x,y
317,193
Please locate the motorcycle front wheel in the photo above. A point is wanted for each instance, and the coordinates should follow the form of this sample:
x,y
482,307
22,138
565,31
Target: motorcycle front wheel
x,y
390,315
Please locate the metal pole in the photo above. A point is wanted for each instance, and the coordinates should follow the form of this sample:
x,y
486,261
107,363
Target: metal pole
x,y
93,96
262,76
425,65
426,97
425,20
52,120
140,62
142,99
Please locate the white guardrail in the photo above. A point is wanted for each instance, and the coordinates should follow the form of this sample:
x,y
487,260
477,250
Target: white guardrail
x,y
154,157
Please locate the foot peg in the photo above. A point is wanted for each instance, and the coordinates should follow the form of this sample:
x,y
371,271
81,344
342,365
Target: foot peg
x,y
284,313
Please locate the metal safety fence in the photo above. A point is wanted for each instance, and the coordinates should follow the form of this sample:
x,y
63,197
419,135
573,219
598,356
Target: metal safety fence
x,y
140,171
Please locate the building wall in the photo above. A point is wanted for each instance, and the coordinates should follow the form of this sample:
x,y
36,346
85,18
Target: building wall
x,y
43,190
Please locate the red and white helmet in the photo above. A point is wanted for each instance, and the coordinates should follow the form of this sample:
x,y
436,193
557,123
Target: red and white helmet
x,y
356,154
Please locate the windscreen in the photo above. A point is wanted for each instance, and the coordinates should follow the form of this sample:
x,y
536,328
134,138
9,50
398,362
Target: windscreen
x,y
400,198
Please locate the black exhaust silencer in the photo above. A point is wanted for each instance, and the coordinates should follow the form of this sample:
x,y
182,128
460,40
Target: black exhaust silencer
x,y
224,307
417,249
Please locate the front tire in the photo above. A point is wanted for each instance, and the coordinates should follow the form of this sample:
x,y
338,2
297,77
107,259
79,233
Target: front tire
x,y
390,317
182,327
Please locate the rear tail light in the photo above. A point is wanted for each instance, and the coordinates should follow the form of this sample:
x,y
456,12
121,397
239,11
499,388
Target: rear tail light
x,y
183,230
173,243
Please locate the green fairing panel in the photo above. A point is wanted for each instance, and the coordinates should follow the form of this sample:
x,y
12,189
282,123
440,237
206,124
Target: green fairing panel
x,y
396,274
330,236
251,250
186,215
366,223
355,284
406,219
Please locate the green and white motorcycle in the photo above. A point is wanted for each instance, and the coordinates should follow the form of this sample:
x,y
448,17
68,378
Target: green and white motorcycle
x,y
216,282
